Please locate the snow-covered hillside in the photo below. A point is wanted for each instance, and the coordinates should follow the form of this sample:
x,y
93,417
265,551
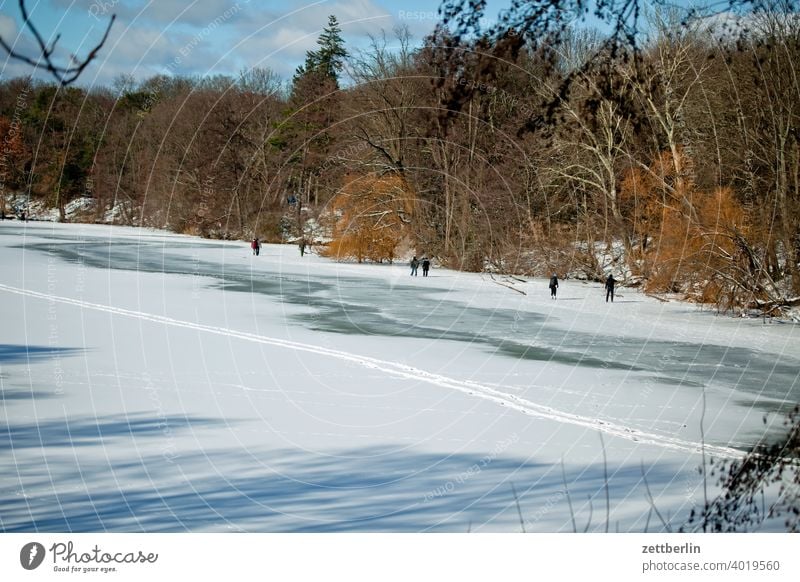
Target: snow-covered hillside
x,y
158,382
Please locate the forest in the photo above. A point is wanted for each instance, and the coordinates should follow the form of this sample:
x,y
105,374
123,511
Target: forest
x,y
674,164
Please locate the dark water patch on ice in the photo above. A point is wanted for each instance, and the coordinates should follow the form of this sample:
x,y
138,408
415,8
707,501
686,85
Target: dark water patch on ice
x,y
679,382
287,289
355,306
740,369
139,256
768,407
375,306
579,359
689,365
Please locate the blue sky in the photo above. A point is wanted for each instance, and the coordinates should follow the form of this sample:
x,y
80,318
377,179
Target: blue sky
x,y
203,37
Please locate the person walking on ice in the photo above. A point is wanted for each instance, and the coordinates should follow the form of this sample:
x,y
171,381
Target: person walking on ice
x,y
426,265
256,246
414,266
610,282
553,285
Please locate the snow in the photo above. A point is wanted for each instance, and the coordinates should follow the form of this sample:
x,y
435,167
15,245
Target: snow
x,y
39,210
159,382
78,209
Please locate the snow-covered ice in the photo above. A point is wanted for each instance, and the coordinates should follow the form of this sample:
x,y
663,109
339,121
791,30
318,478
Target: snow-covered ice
x,y
158,382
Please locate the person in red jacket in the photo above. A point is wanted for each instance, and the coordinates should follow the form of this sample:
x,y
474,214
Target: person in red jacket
x,y
256,246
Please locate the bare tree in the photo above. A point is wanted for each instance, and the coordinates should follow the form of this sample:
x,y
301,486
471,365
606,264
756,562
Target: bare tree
x,y
64,74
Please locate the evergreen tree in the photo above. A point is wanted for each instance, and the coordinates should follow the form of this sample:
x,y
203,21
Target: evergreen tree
x,y
313,108
328,59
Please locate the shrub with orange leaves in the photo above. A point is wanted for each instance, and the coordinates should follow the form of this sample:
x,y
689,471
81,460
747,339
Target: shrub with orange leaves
x,y
690,241
370,217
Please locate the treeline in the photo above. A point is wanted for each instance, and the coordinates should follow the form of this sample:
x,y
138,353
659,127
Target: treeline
x,y
678,169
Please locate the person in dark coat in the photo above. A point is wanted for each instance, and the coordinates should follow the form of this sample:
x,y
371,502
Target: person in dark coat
x,y
426,265
414,266
553,285
610,282
256,246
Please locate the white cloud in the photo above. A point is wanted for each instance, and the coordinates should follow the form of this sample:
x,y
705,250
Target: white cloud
x,y
8,28
281,41
356,17
22,43
198,13
360,17
162,12
215,36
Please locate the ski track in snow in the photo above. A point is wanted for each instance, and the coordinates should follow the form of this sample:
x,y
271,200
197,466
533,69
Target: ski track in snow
x,y
409,372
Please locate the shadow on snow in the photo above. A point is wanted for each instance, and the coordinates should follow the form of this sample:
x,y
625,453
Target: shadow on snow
x,y
55,483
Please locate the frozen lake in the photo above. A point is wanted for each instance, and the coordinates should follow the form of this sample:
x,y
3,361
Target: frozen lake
x,y
157,382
